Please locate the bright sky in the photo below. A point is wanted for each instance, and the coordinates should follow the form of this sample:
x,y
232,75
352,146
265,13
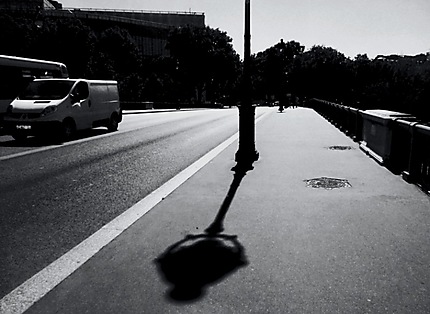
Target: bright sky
x,y
350,26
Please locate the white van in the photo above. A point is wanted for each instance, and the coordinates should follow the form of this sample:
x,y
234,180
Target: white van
x,y
64,105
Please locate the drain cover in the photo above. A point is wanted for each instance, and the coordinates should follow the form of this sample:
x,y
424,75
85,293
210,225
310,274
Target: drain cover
x,y
327,183
337,147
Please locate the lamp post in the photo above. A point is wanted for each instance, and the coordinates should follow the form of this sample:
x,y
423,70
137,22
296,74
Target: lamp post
x,y
246,154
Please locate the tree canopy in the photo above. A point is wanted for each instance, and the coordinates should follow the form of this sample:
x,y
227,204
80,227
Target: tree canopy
x,y
204,67
205,62
398,83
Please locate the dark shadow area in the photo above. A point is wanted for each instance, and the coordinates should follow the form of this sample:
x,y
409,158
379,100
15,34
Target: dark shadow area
x,y
145,111
47,140
217,225
31,141
198,261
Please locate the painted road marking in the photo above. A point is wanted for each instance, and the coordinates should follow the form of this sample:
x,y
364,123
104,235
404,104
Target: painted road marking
x,y
45,148
78,141
24,296
83,140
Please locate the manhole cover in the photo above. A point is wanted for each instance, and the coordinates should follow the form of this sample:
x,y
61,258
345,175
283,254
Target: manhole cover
x,y
338,147
327,183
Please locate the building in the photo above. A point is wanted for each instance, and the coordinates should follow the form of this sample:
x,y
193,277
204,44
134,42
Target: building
x,y
29,4
149,29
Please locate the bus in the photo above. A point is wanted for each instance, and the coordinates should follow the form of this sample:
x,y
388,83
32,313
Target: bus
x,y
17,72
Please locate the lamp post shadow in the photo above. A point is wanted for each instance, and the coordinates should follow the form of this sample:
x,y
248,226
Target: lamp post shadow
x,y
217,226
197,261
200,260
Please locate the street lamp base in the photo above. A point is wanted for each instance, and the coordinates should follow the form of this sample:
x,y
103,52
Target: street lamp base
x,y
245,160
246,154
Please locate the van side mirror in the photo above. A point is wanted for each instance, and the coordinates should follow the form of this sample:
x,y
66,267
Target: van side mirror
x,y
74,98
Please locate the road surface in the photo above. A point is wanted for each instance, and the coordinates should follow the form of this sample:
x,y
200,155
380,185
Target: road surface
x,y
53,196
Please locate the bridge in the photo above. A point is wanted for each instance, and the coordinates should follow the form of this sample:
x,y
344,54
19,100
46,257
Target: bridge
x,y
316,227
396,140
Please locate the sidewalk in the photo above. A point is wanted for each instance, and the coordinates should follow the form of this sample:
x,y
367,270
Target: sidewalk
x,y
286,247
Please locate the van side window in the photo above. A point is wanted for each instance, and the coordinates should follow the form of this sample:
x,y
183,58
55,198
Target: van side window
x,y
81,91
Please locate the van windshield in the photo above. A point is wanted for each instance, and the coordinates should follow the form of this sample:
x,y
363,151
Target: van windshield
x,y
46,90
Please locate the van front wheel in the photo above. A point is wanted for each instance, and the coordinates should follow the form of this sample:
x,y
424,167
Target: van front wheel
x,y
68,128
113,123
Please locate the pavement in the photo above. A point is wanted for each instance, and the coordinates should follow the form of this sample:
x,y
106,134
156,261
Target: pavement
x,y
316,227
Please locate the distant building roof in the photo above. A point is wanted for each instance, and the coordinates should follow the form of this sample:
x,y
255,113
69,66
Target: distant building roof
x,y
148,28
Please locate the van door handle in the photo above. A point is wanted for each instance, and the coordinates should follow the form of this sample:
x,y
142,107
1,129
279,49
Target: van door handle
x,y
89,103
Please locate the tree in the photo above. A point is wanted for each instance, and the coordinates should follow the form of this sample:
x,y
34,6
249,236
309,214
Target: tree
x,y
160,79
205,62
65,40
272,69
116,57
323,72
398,83
15,35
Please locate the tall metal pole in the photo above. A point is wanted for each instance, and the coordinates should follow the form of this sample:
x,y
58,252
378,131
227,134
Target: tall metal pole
x,y
246,154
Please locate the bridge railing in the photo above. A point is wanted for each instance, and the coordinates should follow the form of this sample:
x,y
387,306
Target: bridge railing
x,y
416,166
399,142
348,119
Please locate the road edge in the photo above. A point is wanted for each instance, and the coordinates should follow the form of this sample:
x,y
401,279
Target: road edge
x,y
32,290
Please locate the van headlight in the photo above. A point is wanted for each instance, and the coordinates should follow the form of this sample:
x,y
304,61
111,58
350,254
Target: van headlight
x,y
48,110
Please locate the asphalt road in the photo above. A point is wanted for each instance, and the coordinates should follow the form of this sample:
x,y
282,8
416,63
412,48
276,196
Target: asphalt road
x,y
52,196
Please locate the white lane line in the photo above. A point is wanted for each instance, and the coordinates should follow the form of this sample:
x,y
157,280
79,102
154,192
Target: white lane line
x,y
24,296
42,149
75,142
83,140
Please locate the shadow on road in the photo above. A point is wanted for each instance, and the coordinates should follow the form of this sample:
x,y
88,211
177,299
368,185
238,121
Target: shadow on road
x,y
41,141
198,261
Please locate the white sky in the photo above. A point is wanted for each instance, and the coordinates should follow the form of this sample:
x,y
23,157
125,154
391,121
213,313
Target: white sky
x,y
350,26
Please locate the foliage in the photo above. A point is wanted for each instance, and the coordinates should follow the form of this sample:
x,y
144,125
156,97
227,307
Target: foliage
x,y
272,69
116,57
67,41
15,34
398,83
205,61
62,40
323,72
203,66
